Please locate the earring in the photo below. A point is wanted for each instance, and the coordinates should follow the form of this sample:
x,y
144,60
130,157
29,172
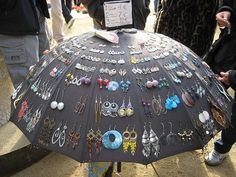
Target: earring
x,y
80,106
162,138
146,143
171,138
24,106
62,136
98,109
122,110
61,105
90,140
56,134
148,84
100,82
54,103
98,141
113,109
129,109
126,139
133,141
46,131
87,80
154,140
28,114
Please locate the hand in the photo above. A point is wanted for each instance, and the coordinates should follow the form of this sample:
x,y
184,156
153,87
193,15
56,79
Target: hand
x,y
223,19
224,77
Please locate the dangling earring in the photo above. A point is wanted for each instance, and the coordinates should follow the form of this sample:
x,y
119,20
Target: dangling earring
x,y
154,140
56,134
163,136
126,139
61,105
171,138
122,111
98,141
24,106
76,138
90,140
129,109
54,103
62,136
133,141
146,143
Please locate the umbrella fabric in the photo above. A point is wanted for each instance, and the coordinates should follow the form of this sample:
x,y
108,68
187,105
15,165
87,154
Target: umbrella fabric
x,y
146,98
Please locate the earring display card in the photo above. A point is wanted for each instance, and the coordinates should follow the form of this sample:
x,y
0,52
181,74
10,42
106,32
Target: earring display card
x,y
142,99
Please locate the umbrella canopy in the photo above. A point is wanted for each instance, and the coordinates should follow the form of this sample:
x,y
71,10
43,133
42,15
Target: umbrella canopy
x,y
145,98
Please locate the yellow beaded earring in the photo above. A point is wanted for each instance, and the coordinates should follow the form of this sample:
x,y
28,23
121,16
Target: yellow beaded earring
x,y
126,139
133,141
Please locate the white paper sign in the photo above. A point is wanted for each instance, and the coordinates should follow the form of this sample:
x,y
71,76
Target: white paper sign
x,y
118,13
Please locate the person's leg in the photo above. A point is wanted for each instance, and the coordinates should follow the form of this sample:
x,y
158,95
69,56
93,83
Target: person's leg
x,y
69,4
223,145
20,52
228,138
57,20
66,12
42,36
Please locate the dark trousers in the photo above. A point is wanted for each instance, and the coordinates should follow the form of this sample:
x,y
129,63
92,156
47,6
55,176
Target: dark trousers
x,y
66,11
228,138
228,135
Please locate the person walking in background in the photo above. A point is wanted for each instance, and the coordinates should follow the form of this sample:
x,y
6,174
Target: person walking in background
x,y
57,21
22,35
223,63
66,10
140,11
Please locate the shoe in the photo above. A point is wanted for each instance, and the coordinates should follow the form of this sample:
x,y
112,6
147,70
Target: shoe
x,y
70,23
215,158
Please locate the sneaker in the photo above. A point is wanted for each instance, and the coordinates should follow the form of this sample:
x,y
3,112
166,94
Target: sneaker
x,y
70,23
215,158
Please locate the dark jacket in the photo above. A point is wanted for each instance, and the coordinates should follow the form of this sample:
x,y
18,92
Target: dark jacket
x,y
19,17
222,55
140,12
191,22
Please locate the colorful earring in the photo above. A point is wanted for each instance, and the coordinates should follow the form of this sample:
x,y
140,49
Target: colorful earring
x,y
129,109
133,141
90,140
126,139
122,110
98,141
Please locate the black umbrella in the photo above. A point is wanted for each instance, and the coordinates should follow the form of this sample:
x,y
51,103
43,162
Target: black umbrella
x,y
140,100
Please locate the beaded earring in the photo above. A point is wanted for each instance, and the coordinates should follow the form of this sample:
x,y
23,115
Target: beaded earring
x,y
98,141
126,139
46,131
23,108
90,139
133,141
